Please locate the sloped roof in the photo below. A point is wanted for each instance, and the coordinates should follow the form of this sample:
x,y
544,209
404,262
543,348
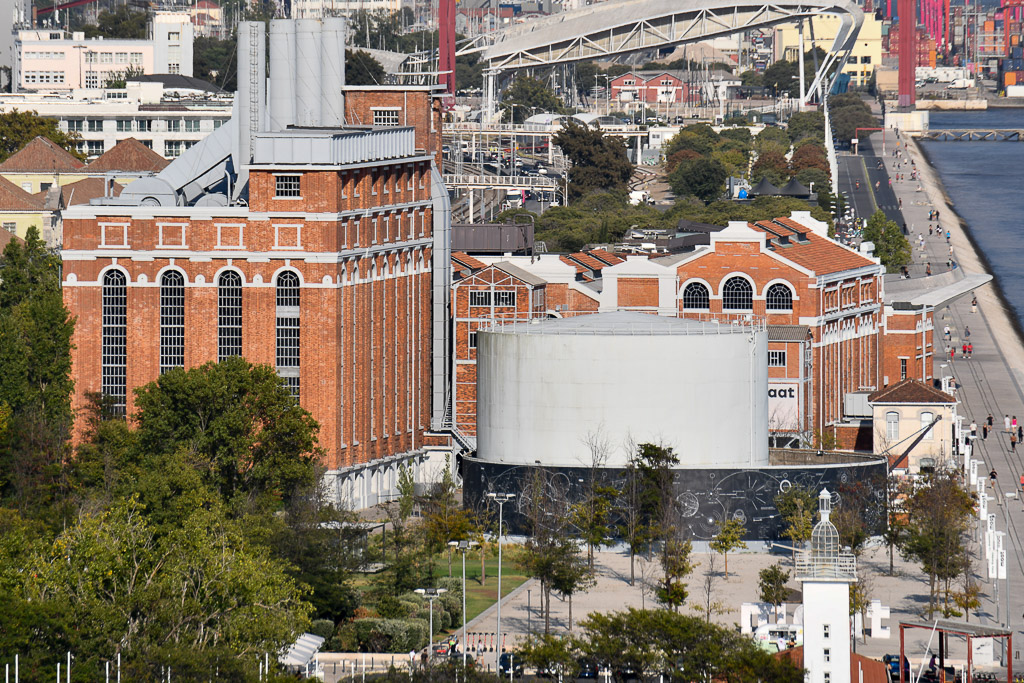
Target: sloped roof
x,y
910,391
606,256
587,260
764,187
128,155
41,155
575,264
521,274
815,253
862,669
6,237
86,190
467,261
13,198
794,188
796,333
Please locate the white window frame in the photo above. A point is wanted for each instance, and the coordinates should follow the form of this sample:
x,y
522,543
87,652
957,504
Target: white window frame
x,y
778,355
298,236
505,298
123,227
926,418
174,229
391,117
239,227
892,427
480,298
278,177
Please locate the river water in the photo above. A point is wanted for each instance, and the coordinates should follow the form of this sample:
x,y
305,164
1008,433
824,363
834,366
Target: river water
x,y
985,181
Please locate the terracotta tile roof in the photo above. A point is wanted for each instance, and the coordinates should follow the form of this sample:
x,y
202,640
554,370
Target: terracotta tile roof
x,y
85,190
580,268
587,260
6,237
41,155
128,155
466,261
910,391
606,256
818,254
862,669
13,198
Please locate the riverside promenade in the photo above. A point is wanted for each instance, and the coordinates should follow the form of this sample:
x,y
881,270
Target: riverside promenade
x,y
990,382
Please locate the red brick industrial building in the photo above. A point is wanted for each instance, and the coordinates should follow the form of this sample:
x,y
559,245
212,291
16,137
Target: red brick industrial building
x,y
832,337
326,272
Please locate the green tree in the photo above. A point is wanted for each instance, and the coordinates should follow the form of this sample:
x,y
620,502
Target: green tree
x,y
796,506
247,436
119,79
781,77
751,79
529,94
362,69
444,519
891,245
599,161
18,128
35,375
729,538
214,60
770,164
702,178
550,653
806,124
772,586
122,23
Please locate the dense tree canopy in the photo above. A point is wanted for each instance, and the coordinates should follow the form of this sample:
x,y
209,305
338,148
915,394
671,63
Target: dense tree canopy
x,y
18,128
362,69
120,23
214,60
530,96
599,161
891,245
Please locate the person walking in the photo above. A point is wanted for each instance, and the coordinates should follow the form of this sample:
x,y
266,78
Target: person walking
x,y
945,332
952,353
967,332
928,269
974,429
1013,442
970,349
984,431
963,351
989,420
1013,423
1006,423
992,477
1020,433
974,305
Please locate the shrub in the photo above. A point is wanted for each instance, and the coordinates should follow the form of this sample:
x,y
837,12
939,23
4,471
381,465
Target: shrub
x,y
323,628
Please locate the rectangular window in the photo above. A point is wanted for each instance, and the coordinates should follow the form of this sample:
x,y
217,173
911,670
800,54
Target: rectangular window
x,y
124,125
229,315
409,173
172,148
903,368
287,343
472,340
826,631
94,147
174,125
173,35
90,57
136,58
174,68
10,227
504,298
479,298
95,125
121,58
114,343
374,178
144,125
776,359
106,58
287,186
386,117
191,125
827,655
92,79
826,677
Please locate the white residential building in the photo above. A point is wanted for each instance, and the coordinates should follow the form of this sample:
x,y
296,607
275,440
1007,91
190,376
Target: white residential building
x,y
146,111
51,60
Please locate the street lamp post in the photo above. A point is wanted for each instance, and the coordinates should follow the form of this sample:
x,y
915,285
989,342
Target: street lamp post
x,y
431,594
500,499
463,547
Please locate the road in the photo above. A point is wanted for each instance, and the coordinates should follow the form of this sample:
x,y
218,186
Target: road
x,y
865,185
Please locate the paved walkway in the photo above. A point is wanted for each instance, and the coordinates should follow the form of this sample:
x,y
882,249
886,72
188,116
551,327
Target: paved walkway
x,y
988,383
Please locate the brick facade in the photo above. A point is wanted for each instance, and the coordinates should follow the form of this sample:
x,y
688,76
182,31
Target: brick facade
x,y
360,239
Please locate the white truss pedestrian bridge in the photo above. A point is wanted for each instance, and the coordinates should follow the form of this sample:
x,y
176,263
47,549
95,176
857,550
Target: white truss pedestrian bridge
x,y
619,27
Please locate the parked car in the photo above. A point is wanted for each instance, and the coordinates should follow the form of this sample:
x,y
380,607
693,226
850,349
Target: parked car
x,y
510,662
891,661
588,668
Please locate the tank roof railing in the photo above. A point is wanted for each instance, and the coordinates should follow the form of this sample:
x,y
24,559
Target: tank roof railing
x,y
693,324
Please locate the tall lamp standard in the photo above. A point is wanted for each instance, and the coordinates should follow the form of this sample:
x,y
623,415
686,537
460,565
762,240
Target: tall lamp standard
x,y
463,547
431,594
500,499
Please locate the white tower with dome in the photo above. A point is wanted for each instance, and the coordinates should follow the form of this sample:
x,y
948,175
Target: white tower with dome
x,y
826,574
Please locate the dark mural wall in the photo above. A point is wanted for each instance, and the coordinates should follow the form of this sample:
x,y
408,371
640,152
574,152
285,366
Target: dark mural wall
x,y
706,496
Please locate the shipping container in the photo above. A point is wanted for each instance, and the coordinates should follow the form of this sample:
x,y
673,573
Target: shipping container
x,y
1010,78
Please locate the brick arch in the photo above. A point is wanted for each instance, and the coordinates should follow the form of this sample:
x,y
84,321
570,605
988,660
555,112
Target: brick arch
x,y
169,268
114,266
224,269
292,269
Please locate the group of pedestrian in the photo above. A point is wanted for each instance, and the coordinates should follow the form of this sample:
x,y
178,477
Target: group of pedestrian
x,y
933,215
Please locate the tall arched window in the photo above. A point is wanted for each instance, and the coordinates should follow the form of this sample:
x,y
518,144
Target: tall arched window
x,y
172,321
696,297
926,424
288,330
114,344
229,315
779,297
737,295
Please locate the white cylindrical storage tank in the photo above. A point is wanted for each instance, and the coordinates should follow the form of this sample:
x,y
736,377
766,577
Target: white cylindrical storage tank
x,y
332,72
698,387
307,72
282,73
252,84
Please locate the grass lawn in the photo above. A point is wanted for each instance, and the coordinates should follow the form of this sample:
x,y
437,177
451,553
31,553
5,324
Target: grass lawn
x,y
479,598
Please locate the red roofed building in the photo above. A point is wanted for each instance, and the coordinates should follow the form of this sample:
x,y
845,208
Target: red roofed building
x,y
653,87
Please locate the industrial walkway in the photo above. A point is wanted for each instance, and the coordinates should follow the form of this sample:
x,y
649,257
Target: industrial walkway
x,y
990,381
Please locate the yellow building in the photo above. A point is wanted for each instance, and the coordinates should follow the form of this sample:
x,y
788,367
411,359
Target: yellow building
x,y
914,424
19,210
866,54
